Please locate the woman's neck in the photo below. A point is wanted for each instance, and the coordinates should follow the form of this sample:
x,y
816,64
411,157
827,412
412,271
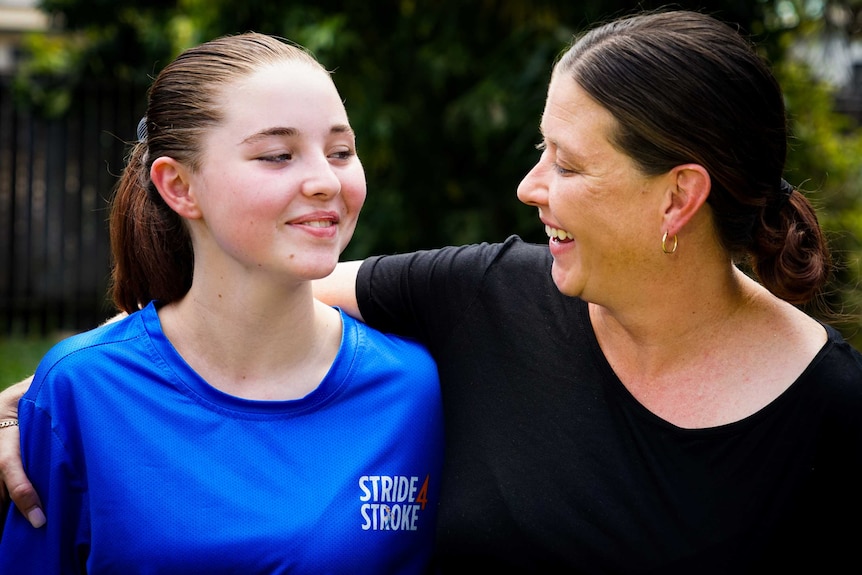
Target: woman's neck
x,y
711,356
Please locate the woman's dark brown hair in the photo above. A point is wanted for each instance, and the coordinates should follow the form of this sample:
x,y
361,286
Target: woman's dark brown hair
x,y
687,88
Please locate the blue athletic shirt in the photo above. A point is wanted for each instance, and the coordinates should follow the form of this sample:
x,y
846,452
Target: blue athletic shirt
x,y
145,468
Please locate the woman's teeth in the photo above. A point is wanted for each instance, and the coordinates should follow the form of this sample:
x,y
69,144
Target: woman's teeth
x,y
557,234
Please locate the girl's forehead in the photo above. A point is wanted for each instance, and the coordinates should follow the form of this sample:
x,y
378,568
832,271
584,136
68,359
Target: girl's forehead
x,y
286,75
283,89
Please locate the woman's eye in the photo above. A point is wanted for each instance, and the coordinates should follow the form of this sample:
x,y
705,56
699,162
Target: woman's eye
x,y
548,157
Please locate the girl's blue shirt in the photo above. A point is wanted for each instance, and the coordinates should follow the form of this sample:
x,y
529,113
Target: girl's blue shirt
x,y
143,467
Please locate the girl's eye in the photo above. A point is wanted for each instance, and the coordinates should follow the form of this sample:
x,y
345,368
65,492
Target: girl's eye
x,y
343,155
562,171
276,158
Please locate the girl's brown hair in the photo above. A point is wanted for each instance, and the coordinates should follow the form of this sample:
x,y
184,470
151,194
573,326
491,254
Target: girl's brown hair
x,y
150,244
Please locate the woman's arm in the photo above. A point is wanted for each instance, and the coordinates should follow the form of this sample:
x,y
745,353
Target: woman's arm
x,y
339,288
14,483
13,480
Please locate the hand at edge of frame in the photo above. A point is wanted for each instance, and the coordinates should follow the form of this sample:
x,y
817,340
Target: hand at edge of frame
x,y
13,481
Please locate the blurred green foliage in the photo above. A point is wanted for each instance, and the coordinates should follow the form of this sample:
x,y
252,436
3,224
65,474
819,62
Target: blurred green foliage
x,y
446,95
825,160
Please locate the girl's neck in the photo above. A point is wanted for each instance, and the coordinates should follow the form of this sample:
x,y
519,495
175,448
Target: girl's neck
x,y
278,348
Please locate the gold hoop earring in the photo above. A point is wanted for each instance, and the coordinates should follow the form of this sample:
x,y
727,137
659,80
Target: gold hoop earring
x,y
664,244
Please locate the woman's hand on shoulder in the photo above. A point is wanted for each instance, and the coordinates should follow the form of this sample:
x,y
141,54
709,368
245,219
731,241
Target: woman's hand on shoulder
x,y
13,481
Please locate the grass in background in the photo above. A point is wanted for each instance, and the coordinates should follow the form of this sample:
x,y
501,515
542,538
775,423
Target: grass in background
x,y
19,357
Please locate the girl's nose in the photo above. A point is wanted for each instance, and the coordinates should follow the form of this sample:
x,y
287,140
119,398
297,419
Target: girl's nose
x,y
321,180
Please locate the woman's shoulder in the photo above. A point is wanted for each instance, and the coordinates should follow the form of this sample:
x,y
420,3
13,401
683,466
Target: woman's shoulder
x,y
470,257
514,250
839,358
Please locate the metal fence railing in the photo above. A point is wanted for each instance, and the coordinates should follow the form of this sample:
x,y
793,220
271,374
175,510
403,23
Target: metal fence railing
x,y
56,176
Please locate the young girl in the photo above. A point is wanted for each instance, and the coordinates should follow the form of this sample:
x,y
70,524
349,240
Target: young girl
x,y
220,428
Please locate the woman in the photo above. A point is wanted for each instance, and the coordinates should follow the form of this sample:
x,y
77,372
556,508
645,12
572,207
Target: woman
x,y
625,399
233,424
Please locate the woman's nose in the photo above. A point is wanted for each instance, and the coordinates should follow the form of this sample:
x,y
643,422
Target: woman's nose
x,y
533,189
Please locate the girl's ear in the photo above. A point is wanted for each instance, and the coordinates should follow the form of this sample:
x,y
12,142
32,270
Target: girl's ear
x,y
690,189
172,180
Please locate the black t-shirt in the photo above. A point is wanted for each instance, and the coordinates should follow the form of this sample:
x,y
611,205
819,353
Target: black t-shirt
x,y
552,466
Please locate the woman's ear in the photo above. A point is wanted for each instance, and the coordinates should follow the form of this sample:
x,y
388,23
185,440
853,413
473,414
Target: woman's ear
x,y
172,180
690,189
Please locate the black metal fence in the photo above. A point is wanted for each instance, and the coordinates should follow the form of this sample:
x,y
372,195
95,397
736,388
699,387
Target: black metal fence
x,y
56,176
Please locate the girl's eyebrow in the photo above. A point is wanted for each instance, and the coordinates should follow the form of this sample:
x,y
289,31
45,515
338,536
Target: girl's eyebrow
x,y
270,132
341,129
282,131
